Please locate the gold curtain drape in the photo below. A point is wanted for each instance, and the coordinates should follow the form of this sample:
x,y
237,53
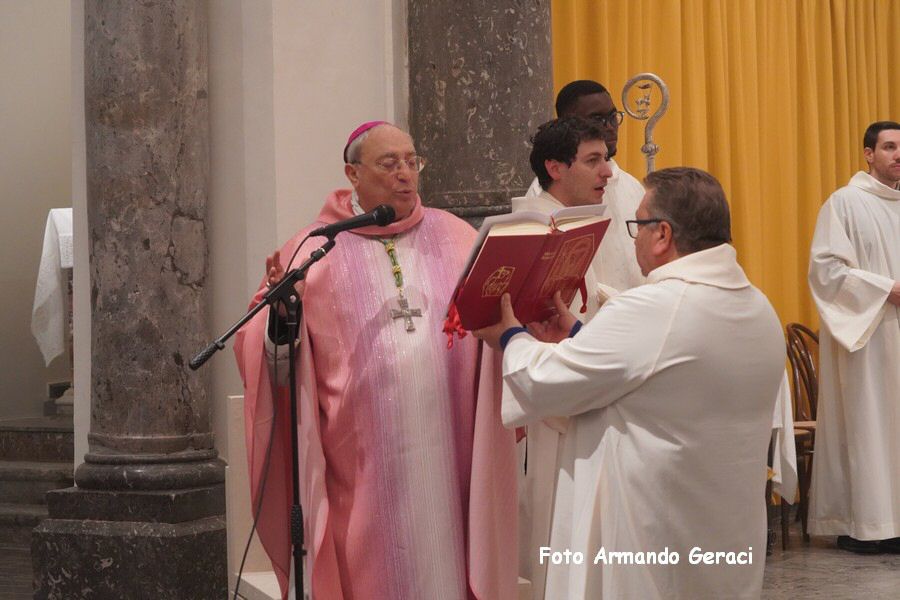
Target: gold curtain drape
x,y
771,96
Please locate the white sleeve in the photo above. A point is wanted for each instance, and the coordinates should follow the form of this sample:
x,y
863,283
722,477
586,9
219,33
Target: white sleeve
x,y
851,301
613,354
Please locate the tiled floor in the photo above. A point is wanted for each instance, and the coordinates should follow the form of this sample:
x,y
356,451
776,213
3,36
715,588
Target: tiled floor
x,y
819,570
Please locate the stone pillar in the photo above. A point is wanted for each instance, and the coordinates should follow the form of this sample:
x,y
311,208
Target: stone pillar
x,y
146,519
480,82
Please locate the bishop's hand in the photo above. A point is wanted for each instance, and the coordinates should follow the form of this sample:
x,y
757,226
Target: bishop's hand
x,y
274,275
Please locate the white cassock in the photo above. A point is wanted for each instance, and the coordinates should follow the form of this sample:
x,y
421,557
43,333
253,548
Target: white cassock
x,y
854,263
670,390
542,482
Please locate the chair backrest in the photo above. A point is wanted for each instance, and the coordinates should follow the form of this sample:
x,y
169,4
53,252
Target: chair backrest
x,y
803,353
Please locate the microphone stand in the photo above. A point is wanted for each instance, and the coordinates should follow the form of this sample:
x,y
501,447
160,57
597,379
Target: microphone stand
x,y
284,293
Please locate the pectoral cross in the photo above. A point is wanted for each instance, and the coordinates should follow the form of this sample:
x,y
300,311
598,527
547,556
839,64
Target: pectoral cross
x,y
406,312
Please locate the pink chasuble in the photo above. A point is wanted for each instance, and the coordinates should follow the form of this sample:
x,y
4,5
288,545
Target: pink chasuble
x,y
407,474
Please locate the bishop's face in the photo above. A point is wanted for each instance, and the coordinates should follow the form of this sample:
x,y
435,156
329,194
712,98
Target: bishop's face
x,y
382,175
884,160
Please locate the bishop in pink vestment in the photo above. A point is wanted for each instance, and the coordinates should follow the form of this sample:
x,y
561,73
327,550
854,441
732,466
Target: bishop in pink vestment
x,y
407,475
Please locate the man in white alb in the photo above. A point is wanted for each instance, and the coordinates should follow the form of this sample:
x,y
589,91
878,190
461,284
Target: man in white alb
x,y
613,269
854,275
669,391
570,159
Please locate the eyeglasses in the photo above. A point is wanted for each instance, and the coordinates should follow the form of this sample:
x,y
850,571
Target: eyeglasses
x,y
392,165
613,119
632,225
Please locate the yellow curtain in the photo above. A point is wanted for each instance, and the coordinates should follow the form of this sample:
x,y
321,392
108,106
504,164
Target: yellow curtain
x,y
771,96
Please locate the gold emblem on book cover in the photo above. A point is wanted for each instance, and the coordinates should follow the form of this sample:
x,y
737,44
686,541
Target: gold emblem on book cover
x,y
497,283
574,256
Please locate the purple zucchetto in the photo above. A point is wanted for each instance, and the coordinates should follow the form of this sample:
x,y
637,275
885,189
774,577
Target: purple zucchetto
x,y
359,131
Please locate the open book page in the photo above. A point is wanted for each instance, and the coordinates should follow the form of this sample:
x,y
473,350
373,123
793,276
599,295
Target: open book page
x,y
576,213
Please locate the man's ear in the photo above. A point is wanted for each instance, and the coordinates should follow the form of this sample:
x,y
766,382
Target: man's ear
x,y
554,168
869,155
666,241
350,172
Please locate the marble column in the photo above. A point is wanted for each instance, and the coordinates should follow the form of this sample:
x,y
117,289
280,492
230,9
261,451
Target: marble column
x,y
146,518
480,82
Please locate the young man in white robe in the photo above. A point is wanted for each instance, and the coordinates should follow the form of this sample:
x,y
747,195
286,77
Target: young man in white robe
x,y
570,159
670,390
854,276
615,269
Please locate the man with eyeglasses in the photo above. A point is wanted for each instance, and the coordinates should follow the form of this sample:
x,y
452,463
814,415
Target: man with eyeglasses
x,y
854,277
408,474
669,391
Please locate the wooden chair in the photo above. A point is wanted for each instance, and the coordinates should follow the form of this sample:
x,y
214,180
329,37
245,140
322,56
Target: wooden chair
x,y
803,345
803,354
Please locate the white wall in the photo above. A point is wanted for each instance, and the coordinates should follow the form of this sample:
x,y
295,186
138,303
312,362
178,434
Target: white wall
x,y
81,300
35,176
241,166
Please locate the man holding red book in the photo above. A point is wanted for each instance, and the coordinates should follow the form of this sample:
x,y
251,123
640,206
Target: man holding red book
x,y
669,391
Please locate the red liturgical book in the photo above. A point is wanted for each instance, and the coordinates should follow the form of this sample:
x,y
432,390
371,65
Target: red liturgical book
x,y
531,256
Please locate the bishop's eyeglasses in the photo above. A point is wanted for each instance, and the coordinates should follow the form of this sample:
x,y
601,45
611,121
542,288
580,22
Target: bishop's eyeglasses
x,y
392,165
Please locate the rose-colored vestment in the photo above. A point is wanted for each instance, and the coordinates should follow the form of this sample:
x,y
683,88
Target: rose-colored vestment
x,y
407,475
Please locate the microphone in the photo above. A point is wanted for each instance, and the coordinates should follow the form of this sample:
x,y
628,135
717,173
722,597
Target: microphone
x,y
382,215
